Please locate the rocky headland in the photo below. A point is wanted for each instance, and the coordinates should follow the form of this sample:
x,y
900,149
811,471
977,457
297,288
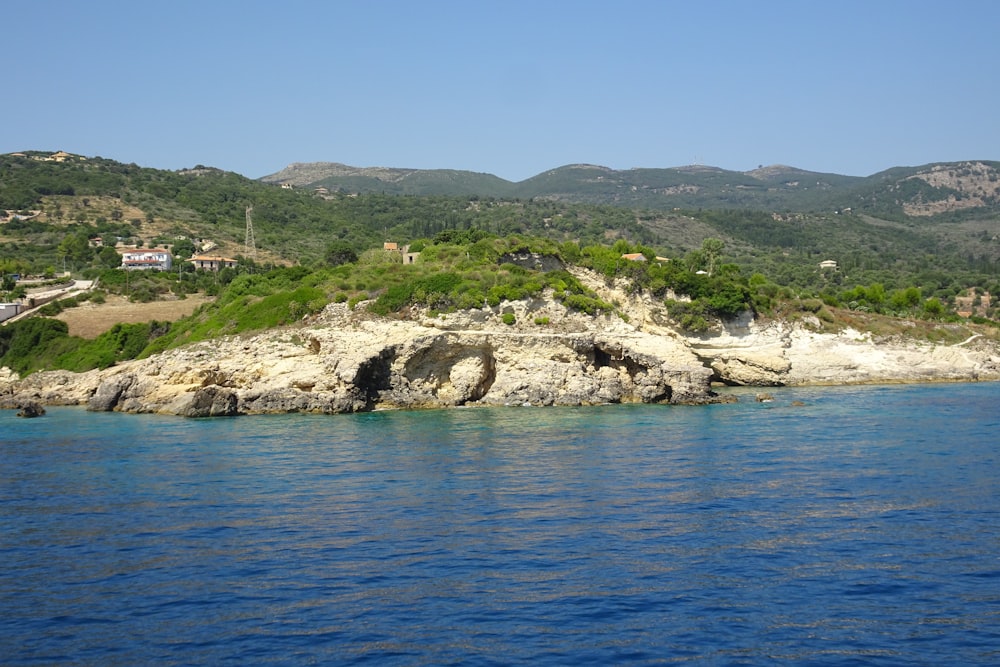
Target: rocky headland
x,y
345,360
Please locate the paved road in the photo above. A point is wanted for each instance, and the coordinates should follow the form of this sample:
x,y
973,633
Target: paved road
x,y
77,287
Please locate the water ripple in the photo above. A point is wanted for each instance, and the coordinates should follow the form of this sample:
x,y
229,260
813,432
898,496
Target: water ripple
x,y
830,533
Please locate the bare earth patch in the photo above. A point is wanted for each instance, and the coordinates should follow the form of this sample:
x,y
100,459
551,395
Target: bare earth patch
x,y
89,320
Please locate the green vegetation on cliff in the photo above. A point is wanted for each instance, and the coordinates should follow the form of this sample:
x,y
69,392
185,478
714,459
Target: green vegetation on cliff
x,y
454,271
57,208
41,343
476,251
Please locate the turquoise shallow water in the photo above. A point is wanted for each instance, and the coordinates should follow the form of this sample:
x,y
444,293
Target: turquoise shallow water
x,y
862,527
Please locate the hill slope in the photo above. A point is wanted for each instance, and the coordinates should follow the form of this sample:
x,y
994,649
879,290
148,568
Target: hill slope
x,y
336,177
935,226
941,188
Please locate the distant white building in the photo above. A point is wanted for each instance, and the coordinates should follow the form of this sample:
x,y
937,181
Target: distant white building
x,y
9,310
828,264
212,262
156,259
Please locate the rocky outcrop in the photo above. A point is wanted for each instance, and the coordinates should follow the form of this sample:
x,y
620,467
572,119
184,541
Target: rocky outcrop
x,y
48,388
346,361
212,401
31,410
783,354
109,393
748,368
751,352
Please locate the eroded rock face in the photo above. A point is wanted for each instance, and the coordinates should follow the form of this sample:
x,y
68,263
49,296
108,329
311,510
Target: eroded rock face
x,y
783,354
445,370
8,379
48,388
212,401
31,410
348,364
109,393
346,361
750,369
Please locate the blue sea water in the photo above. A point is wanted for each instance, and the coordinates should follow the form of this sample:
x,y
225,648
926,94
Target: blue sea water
x,y
861,526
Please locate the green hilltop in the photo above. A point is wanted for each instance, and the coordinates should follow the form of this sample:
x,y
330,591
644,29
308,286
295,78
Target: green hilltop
x,y
936,226
954,189
921,242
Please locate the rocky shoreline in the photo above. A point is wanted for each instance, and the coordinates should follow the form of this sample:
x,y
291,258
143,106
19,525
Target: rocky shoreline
x,y
344,360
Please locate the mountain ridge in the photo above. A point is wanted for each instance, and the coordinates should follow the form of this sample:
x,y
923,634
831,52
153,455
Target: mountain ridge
x,y
304,173
931,189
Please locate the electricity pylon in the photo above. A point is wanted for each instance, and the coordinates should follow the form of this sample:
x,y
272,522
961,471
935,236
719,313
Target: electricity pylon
x,y
250,245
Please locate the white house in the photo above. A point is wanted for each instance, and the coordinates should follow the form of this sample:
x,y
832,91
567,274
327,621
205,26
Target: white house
x,y
212,262
9,310
144,259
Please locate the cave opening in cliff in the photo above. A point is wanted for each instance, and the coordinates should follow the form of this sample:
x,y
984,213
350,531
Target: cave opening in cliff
x,y
601,358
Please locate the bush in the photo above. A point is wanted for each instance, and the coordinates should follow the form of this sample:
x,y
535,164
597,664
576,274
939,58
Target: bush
x,y
393,299
24,344
51,308
586,304
690,316
508,319
440,282
811,305
729,299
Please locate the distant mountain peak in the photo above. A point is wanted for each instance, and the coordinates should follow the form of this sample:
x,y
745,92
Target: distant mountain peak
x,y
777,171
914,191
699,169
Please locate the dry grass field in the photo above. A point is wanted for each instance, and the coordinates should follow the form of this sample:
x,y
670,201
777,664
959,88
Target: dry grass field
x,y
89,320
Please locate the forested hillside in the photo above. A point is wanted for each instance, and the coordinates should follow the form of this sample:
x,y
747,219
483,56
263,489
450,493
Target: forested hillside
x,y
68,214
54,208
953,190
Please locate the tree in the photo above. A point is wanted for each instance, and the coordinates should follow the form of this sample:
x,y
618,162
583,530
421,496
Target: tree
x,y
875,295
905,299
108,257
695,260
933,308
340,252
75,248
711,248
184,248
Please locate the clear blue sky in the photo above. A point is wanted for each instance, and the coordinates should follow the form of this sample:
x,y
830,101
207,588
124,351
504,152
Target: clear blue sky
x,y
507,87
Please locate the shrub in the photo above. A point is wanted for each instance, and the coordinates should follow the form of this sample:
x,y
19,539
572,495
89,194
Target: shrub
x,y
690,316
811,305
729,299
586,304
933,308
393,299
121,342
280,308
509,319
51,308
23,344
